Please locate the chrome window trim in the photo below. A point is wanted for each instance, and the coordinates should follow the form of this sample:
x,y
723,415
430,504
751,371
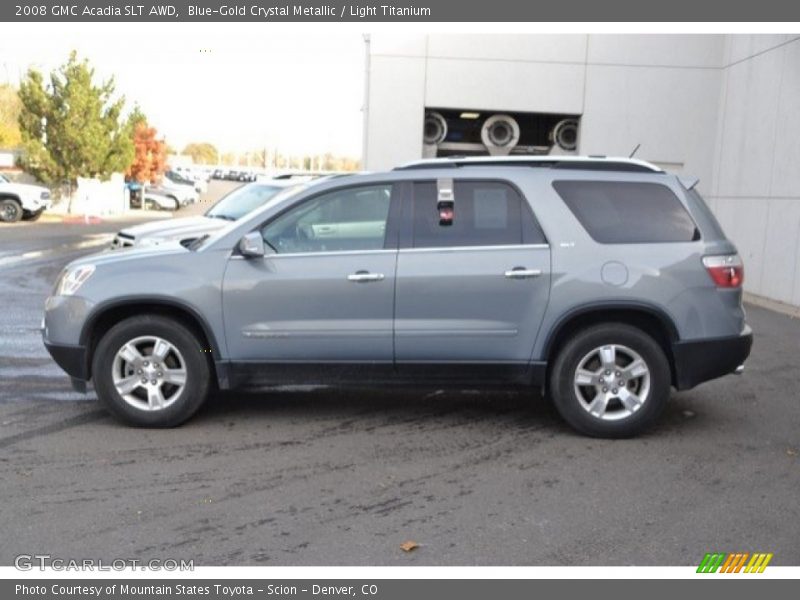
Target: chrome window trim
x,y
475,248
332,253
404,251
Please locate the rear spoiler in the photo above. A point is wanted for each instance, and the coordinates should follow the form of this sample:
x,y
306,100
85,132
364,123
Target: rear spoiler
x,y
689,182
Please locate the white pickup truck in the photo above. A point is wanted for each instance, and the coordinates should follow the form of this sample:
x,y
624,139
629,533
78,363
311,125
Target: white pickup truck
x,y
22,201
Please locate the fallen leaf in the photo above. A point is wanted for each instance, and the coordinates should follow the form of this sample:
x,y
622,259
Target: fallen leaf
x,y
791,451
409,546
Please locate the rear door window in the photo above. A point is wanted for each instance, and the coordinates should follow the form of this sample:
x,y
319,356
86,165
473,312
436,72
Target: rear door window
x,y
485,213
629,212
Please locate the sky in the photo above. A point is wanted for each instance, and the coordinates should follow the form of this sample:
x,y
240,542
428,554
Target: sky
x,y
239,86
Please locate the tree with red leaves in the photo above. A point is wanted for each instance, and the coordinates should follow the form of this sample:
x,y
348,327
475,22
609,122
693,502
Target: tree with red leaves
x,y
150,153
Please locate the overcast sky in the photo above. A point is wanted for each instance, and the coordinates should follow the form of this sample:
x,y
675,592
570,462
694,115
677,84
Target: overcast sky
x,y
238,86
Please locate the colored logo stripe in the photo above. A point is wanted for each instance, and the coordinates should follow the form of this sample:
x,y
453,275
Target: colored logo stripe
x,y
734,562
711,562
758,563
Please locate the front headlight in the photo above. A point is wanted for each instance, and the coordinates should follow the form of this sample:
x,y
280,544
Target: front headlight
x,y
72,279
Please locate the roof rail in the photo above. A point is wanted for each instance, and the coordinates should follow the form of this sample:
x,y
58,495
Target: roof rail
x,y
588,163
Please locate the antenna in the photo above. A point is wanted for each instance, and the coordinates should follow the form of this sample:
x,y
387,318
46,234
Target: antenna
x,y
634,150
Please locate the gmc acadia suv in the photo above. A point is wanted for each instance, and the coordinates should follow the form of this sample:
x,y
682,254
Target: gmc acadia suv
x,y
602,282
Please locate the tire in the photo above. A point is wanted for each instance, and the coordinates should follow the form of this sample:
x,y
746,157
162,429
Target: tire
x,y
602,406
34,216
140,405
10,210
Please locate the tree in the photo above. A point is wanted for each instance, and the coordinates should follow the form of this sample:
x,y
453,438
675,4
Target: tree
x,y
202,153
10,107
71,127
150,153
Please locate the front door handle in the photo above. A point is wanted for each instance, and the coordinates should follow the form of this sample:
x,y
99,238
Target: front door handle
x,y
365,277
522,273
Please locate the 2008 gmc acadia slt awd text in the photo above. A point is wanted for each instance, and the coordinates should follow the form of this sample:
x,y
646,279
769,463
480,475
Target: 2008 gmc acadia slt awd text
x,y
603,282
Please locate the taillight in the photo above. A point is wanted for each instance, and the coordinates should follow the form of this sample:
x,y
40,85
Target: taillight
x,y
726,270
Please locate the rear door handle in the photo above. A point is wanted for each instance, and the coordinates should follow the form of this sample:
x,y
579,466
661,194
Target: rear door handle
x,y
365,277
522,273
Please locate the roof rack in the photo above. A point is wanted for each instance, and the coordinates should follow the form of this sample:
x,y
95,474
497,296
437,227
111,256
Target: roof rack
x,y
588,163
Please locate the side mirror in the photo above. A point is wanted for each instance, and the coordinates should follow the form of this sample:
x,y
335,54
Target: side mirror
x,y
252,245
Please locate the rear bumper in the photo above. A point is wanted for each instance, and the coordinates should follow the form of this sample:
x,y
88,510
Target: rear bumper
x,y
703,360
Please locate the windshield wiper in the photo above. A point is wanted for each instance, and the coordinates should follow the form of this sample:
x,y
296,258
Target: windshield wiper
x,y
225,217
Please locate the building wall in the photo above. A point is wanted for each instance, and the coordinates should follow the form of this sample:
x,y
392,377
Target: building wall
x,y
723,108
756,188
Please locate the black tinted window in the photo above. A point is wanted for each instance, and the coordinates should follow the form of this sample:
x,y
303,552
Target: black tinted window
x,y
485,214
615,212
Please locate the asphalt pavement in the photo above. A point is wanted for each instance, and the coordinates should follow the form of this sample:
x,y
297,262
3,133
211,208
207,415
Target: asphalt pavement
x,y
334,477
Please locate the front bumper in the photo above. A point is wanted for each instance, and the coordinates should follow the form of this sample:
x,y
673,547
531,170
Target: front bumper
x,y
63,320
697,361
72,359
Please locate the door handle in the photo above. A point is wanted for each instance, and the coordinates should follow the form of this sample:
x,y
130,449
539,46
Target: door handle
x,y
365,277
522,273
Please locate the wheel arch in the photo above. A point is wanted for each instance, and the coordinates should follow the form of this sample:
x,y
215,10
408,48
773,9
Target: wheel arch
x,y
107,315
651,319
14,197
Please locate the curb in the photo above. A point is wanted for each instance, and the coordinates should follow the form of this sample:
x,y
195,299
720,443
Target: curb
x,y
789,310
81,220
76,219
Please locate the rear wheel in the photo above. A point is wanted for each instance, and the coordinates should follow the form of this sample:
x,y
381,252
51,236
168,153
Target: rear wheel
x,y
149,371
610,381
10,210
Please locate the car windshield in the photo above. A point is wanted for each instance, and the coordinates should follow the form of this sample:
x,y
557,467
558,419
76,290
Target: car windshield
x,y
242,200
177,178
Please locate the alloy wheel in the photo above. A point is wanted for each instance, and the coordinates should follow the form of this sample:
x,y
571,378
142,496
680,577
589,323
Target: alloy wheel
x,y
612,382
10,212
149,373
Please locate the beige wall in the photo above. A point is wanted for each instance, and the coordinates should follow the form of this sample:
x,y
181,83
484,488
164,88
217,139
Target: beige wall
x,y
756,188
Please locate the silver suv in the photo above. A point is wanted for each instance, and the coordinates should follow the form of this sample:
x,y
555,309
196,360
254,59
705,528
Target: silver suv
x,y
602,282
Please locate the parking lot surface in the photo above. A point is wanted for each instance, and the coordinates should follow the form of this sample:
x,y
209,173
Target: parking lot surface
x,y
330,477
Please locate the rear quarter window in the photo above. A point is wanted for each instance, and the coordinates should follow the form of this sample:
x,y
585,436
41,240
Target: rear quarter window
x,y
617,212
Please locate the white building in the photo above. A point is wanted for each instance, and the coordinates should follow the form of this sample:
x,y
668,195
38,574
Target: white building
x,y
724,108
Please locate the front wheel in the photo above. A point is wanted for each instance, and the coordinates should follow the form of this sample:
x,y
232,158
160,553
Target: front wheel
x,y
10,210
150,371
610,381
